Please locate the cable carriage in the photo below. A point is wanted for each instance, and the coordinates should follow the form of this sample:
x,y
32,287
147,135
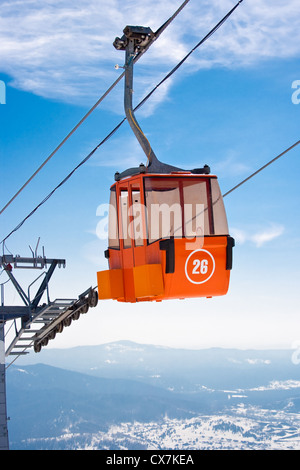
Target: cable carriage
x,y
168,232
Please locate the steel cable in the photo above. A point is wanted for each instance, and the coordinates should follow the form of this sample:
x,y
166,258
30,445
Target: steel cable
x,y
137,57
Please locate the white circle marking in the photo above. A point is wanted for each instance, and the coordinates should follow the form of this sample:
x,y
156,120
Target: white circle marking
x,y
186,264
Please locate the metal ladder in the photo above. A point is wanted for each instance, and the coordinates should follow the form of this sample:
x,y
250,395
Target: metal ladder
x,y
49,320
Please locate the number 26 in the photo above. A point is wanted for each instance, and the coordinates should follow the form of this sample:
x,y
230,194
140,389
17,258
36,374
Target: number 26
x,y
200,267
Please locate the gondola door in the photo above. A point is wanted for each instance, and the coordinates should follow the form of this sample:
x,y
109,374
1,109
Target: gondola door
x,y
132,230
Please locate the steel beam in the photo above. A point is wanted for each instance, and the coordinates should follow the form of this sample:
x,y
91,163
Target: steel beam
x,y
4,445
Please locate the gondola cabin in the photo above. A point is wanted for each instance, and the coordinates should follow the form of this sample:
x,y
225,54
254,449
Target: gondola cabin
x,y
168,239
168,233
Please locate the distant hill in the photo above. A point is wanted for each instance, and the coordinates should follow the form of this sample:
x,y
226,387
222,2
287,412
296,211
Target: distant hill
x,y
141,396
178,369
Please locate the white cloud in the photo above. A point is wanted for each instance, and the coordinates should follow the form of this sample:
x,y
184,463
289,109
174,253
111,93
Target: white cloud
x,y
257,30
63,50
259,238
267,235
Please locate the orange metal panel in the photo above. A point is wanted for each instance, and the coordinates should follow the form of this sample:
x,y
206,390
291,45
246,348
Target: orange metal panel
x,y
148,280
200,269
110,284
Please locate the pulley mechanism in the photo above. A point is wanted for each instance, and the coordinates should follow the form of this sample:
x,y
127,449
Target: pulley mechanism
x,y
140,35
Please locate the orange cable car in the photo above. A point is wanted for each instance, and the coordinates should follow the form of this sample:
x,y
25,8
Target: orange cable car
x,y
168,232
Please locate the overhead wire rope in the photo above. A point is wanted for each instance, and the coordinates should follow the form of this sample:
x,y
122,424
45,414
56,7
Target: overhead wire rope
x,y
61,144
262,168
212,31
136,58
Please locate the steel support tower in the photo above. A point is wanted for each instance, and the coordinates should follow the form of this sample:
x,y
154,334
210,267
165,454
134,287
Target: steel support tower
x,y
3,412
34,322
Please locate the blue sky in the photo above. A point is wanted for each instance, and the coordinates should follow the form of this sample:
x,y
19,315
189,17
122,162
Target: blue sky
x,y
229,106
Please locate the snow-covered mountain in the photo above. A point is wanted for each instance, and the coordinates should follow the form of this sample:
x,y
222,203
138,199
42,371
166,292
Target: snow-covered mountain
x,y
175,369
134,396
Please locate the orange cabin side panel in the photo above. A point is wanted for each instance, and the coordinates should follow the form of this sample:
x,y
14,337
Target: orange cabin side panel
x,y
200,269
110,284
148,281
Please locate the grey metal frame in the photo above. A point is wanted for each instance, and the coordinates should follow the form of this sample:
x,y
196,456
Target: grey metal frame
x,y
134,41
47,319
